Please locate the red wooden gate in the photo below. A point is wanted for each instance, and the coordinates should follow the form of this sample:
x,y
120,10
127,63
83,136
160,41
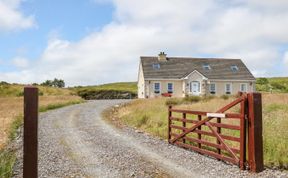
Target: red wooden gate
x,y
221,134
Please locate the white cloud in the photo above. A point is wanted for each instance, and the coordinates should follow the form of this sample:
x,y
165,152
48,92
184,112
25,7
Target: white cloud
x,y
20,62
251,30
11,18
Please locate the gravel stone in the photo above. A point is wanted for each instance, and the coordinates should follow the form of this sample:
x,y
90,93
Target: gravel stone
x,y
76,142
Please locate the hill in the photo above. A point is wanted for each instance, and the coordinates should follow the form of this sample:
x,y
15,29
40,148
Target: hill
x,y
120,90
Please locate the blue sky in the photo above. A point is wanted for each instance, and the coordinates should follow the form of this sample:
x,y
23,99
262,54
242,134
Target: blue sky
x,y
71,21
87,42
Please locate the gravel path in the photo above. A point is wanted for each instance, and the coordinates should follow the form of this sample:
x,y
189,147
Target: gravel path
x,y
75,142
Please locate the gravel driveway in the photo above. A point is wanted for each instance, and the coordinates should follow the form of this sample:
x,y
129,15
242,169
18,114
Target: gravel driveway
x,y
75,142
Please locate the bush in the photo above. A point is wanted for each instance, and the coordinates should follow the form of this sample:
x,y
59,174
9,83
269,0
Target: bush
x,y
262,81
192,99
225,97
278,86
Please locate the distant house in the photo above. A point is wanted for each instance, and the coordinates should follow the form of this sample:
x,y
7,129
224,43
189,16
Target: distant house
x,y
178,76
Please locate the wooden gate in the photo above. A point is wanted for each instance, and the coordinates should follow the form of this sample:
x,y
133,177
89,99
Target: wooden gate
x,y
219,134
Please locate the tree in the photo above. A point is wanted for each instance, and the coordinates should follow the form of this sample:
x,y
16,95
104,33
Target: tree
x,y
59,83
47,83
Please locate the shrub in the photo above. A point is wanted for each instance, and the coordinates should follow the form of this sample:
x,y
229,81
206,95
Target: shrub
x,y
279,86
192,99
225,97
262,81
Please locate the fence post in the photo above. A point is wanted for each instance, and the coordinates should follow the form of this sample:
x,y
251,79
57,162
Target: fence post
x,y
255,140
184,125
169,123
243,126
199,128
30,155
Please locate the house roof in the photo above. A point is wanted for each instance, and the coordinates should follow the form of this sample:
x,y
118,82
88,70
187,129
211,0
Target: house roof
x,y
179,67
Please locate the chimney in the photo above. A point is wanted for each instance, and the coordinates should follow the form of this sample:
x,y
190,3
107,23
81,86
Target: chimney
x,y
162,56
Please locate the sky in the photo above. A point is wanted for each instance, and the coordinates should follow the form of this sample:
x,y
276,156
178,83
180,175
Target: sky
x,y
91,42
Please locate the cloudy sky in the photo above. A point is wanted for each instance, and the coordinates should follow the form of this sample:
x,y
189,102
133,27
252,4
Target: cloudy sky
x,y
88,42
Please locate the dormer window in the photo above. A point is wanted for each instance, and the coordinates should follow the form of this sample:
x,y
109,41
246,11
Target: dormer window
x,y
156,66
206,67
234,68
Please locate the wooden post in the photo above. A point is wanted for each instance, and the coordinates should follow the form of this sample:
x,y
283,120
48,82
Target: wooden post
x,y
30,155
199,128
169,123
219,132
184,125
243,111
255,141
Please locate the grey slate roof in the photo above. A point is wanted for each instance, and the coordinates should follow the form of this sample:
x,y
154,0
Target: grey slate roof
x,y
177,68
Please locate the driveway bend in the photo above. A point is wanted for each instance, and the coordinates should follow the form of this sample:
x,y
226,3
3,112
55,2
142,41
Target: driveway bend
x,y
77,142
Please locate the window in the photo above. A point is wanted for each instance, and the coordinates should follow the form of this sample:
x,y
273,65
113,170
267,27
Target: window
x,y
243,87
156,66
170,87
228,88
234,68
206,67
213,88
156,87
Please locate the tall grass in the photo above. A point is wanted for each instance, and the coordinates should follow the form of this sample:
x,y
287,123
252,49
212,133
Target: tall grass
x,y
7,160
150,115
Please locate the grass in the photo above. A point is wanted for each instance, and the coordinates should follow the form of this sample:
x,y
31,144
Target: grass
x,y
7,160
150,115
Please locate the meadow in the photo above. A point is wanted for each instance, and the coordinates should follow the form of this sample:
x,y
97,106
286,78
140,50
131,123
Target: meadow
x,y
150,115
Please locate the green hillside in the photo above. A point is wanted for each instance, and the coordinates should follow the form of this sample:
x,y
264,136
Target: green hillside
x,y
10,90
275,84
